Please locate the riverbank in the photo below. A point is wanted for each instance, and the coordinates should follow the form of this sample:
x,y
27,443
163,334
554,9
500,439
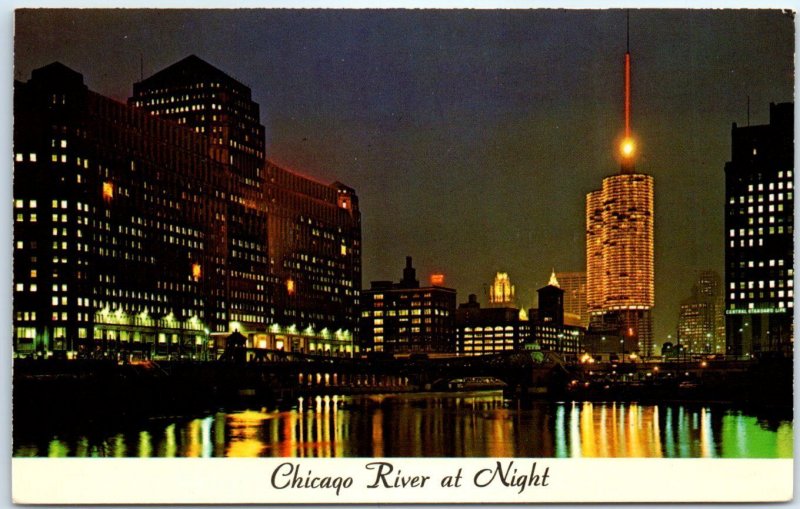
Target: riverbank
x,y
82,392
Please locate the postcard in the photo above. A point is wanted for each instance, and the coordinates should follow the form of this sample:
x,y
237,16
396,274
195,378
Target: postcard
x,y
331,255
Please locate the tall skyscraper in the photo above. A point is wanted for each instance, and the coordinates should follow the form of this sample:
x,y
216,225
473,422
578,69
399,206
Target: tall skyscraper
x,y
701,323
574,286
201,98
759,227
305,235
619,247
501,293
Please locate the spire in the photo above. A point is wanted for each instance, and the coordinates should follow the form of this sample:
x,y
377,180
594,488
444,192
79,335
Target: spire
x,y
553,281
628,146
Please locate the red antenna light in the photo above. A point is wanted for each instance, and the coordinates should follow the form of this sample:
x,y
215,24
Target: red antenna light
x,y
628,145
627,94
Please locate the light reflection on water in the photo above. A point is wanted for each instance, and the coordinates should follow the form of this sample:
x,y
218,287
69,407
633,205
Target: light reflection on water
x,y
480,424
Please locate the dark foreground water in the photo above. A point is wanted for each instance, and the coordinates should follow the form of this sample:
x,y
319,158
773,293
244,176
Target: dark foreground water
x,y
479,424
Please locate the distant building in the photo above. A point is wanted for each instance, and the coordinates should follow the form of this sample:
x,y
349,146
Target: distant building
x,y
481,331
759,228
701,324
548,331
403,317
574,286
501,293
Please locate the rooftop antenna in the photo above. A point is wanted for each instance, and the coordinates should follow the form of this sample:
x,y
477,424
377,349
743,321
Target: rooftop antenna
x,y
628,146
628,75
141,67
748,110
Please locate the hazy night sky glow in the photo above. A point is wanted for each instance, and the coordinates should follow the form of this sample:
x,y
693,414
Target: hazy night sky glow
x,y
471,137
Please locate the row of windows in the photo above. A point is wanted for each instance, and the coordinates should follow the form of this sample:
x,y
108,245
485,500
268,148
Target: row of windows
x,y
760,198
496,328
749,232
771,185
780,294
489,335
752,305
762,284
406,312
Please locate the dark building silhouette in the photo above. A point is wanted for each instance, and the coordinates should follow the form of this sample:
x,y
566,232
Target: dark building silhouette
x,y
548,331
481,331
759,230
403,317
155,226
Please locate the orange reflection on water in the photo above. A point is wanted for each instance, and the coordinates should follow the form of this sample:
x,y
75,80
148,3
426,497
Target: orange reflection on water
x,y
244,440
444,425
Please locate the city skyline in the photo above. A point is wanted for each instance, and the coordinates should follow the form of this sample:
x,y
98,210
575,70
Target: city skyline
x,y
446,206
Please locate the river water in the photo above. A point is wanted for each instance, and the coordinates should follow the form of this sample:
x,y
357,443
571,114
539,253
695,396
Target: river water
x,y
477,424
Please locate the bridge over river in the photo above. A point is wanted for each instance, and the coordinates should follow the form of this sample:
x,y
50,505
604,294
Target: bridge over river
x,y
76,387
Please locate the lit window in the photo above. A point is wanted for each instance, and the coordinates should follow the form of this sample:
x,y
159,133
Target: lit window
x,y
19,204
20,287
108,190
63,143
197,271
18,158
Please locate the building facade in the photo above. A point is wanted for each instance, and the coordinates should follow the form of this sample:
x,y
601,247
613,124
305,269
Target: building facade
x,y
620,291
166,229
405,318
548,330
574,286
701,323
501,292
759,244
484,331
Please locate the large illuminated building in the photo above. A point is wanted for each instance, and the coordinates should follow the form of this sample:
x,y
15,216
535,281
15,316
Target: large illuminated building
x,y
501,292
759,227
159,228
701,323
483,331
620,290
406,318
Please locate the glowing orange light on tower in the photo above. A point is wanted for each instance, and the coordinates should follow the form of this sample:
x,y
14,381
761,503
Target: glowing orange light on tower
x,y
437,279
108,191
196,271
290,286
627,147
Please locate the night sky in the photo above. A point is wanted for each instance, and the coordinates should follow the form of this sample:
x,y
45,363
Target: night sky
x,y
471,137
